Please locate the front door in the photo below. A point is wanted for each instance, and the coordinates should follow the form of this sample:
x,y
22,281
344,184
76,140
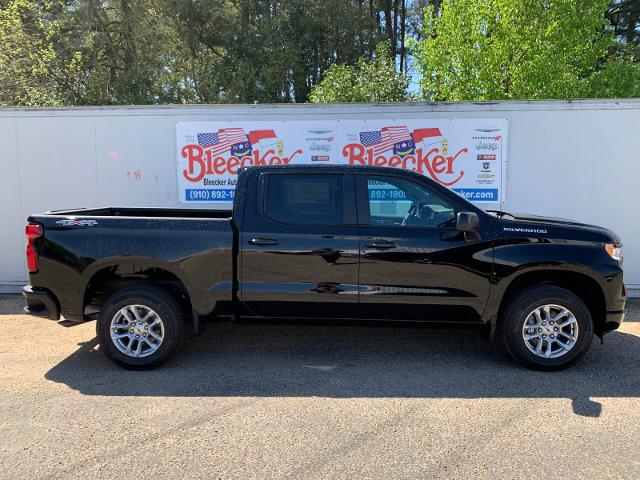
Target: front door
x,y
414,264
299,246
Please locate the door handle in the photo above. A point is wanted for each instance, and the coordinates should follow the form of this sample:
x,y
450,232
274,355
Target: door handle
x,y
263,241
380,244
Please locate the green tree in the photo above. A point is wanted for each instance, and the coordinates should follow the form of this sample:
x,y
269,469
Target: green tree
x,y
30,68
66,52
282,48
131,52
501,49
624,16
61,52
375,80
87,52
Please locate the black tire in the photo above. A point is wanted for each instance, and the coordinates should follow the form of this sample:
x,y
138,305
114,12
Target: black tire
x,y
158,300
523,304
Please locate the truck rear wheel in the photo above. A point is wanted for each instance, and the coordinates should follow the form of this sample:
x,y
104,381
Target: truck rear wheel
x,y
140,327
547,327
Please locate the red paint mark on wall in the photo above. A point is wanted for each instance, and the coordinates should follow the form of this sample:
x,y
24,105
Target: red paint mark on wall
x,y
137,174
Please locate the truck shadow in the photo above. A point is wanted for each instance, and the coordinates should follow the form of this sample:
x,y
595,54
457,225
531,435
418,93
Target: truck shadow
x,y
356,361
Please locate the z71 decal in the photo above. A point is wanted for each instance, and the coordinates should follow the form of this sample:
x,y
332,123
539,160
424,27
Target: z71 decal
x,y
77,223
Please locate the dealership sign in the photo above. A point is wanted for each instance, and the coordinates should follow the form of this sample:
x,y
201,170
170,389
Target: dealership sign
x,y
466,155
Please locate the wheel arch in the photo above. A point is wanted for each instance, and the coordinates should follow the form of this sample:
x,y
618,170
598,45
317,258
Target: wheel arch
x,y
108,277
581,284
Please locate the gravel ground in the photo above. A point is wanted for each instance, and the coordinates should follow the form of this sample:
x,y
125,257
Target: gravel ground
x,y
293,401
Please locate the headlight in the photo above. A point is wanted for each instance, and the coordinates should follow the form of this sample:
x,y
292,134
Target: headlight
x,y
614,251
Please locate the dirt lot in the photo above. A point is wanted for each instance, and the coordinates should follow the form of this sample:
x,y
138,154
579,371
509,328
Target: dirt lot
x,y
282,401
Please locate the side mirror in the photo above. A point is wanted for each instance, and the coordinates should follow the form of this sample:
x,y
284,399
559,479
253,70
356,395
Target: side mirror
x,y
468,222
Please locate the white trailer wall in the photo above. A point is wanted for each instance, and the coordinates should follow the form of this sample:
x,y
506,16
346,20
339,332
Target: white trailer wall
x,y
574,159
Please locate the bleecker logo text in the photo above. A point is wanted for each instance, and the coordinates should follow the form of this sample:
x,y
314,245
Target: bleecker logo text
x,y
433,162
202,162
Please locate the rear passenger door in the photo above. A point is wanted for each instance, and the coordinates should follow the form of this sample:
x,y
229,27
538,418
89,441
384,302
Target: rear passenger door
x,y
299,246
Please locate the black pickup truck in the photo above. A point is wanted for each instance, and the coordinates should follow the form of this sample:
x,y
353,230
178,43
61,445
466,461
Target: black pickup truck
x,y
330,242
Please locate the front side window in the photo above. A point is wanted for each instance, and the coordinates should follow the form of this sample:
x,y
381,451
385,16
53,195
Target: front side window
x,y
398,202
298,199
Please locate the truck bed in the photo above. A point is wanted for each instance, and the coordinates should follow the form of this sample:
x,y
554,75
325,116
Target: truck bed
x,y
86,246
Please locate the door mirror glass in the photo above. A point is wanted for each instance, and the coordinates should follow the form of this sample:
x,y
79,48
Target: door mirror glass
x,y
468,222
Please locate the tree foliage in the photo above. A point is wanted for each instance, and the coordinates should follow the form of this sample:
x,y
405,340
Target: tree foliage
x,y
28,57
375,80
88,52
624,17
79,52
497,49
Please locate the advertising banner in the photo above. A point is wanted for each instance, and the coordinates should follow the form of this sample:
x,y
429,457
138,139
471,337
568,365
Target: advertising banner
x,y
467,155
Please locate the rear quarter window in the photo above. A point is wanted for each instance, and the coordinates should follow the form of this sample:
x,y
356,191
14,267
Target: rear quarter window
x,y
299,199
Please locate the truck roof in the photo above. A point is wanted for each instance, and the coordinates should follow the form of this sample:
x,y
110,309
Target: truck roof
x,y
334,168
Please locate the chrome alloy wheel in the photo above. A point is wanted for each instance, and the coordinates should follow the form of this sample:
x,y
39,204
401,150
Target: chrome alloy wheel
x,y
550,331
137,331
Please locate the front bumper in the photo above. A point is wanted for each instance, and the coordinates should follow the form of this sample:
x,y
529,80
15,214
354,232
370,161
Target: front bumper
x,y
41,303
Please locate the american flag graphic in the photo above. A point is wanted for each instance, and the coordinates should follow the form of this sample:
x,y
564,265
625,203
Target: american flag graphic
x,y
207,139
370,138
222,141
386,138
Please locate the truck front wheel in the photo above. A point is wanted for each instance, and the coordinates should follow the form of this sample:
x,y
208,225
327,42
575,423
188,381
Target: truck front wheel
x,y
546,327
139,327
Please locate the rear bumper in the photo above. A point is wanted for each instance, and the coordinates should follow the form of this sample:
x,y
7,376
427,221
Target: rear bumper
x,y
41,303
613,321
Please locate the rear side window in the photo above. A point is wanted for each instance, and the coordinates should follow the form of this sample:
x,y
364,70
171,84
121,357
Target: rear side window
x,y
299,199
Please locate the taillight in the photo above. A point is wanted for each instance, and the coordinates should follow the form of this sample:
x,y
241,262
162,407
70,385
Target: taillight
x,y
33,233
